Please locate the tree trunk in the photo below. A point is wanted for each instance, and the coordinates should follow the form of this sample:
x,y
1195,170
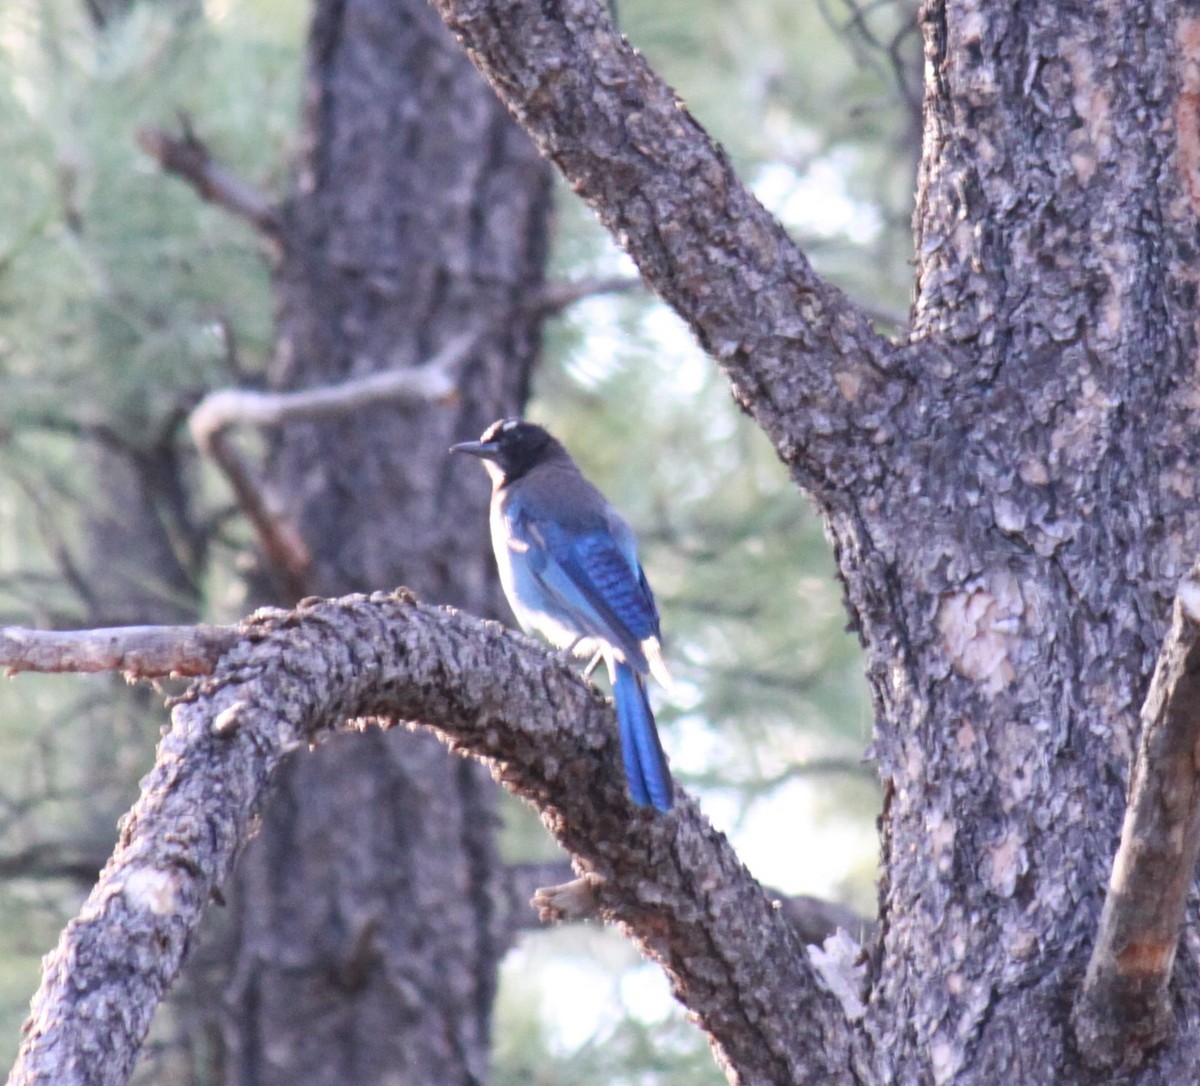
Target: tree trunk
x,y
1033,530
367,934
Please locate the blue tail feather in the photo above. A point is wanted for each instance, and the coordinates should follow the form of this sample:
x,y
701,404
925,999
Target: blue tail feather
x,y
645,764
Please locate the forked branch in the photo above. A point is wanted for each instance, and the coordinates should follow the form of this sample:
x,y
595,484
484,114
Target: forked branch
x,y
219,412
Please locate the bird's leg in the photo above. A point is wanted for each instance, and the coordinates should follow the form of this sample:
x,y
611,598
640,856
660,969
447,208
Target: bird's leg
x,y
566,653
568,656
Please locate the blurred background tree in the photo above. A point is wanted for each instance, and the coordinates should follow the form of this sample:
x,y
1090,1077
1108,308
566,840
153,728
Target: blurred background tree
x,y
123,299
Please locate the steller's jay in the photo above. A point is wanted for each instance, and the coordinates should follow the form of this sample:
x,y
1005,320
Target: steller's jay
x,y
569,567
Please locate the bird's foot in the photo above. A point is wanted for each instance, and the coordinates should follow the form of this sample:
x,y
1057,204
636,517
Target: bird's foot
x,y
569,656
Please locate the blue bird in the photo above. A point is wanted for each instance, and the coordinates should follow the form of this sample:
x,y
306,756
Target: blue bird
x,y
569,567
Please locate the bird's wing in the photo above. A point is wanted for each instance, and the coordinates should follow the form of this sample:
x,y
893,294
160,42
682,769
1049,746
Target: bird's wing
x,y
651,644
590,578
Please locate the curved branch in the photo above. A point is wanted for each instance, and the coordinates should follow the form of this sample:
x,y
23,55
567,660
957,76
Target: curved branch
x,y
801,356
287,554
672,882
432,382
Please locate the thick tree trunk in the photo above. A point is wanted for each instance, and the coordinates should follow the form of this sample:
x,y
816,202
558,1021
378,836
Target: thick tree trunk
x,y
367,926
1033,529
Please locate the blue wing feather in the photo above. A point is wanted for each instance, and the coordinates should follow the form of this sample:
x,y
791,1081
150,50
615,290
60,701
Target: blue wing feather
x,y
598,572
584,582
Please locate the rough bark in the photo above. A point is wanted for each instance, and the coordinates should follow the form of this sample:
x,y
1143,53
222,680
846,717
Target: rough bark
x,y
1049,516
672,882
802,359
1011,493
418,218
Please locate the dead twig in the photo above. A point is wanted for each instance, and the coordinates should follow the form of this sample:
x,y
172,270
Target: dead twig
x,y
188,157
143,652
210,421
429,382
555,297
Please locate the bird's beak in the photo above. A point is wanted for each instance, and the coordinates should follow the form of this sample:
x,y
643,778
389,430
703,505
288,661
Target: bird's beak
x,y
485,450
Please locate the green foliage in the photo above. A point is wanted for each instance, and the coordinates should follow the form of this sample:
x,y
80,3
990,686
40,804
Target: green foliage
x,y
122,297
113,283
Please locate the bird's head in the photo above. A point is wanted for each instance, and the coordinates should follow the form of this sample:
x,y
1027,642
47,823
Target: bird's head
x,y
510,447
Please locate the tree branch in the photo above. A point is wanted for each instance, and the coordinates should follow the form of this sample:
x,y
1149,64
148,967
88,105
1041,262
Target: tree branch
x,y
522,883
432,381
803,359
555,296
815,920
187,157
56,544
142,652
52,860
1123,1008
672,882
559,896
287,555
286,552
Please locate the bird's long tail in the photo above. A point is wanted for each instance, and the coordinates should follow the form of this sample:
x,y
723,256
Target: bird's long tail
x,y
645,764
